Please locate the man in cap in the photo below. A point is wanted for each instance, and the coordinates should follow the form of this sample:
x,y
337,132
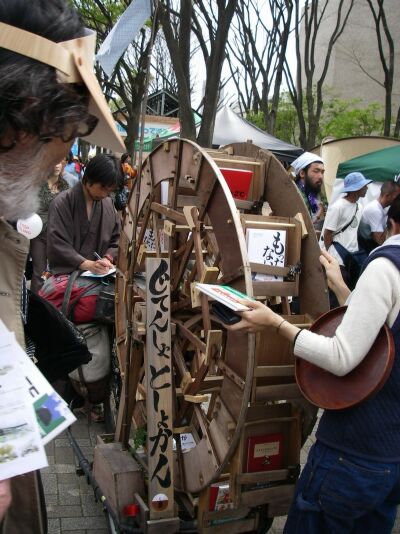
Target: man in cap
x,y
48,97
372,230
343,218
309,170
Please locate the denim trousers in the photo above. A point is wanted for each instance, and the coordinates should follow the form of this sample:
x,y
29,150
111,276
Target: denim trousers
x,y
341,493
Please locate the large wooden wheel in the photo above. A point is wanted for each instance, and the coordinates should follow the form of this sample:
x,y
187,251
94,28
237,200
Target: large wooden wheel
x,y
183,210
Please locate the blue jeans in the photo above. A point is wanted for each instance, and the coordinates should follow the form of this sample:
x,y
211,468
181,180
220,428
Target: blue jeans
x,y
340,493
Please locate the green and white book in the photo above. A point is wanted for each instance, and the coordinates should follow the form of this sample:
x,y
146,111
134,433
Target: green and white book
x,y
226,295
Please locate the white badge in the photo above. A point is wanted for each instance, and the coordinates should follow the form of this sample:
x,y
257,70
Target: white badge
x,y
31,226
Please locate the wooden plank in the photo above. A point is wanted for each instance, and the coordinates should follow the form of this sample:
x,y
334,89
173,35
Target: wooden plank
x,y
266,495
170,213
127,401
187,200
161,526
139,321
235,527
221,444
241,162
196,399
192,217
159,390
272,289
274,370
180,365
195,295
143,511
169,228
192,389
187,334
304,232
269,269
209,275
213,346
262,476
279,392
227,371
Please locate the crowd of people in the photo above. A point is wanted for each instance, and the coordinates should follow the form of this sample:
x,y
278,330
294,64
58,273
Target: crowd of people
x,y
351,482
348,230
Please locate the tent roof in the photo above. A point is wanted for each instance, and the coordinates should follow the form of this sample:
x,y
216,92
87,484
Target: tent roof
x,y
231,128
381,165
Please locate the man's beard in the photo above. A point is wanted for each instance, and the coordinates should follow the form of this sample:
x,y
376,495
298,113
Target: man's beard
x,y
311,188
21,176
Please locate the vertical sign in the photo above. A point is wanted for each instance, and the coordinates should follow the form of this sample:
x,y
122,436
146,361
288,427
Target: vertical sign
x,y
159,388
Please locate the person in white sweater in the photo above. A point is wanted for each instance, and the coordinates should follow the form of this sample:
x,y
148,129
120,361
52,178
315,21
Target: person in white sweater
x,y
351,482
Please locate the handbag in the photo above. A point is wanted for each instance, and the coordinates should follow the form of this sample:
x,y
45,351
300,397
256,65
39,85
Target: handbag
x,y
81,299
59,346
105,304
92,381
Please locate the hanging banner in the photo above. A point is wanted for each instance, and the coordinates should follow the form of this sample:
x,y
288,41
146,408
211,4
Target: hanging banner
x,y
122,34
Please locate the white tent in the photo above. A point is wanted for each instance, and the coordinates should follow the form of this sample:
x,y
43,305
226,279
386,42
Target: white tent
x,y
231,128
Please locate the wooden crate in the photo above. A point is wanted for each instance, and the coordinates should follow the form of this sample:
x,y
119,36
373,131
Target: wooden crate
x,y
289,286
118,475
272,485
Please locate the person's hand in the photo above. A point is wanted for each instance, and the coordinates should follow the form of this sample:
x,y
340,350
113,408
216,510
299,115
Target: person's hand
x,y
256,319
96,267
5,497
332,269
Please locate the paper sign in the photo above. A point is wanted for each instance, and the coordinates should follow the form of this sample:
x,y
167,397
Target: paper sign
x,y
21,448
268,247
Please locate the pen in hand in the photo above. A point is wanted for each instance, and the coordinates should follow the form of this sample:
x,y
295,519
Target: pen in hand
x,y
97,256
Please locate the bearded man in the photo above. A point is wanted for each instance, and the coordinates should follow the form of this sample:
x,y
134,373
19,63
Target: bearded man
x,y
48,97
309,170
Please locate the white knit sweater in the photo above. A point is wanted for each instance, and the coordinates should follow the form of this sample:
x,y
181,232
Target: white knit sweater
x,y
374,301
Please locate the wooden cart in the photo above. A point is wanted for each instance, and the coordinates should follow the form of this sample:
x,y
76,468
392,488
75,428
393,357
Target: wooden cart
x,y
224,417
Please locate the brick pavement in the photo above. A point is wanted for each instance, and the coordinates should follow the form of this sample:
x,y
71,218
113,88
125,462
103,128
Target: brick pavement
x,y
71,505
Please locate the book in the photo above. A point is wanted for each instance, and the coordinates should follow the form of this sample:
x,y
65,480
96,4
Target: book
x,y
89,274
238,181
264,453
226,295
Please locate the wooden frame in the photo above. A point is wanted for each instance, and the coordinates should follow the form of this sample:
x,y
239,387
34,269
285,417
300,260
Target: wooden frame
x,y
292,228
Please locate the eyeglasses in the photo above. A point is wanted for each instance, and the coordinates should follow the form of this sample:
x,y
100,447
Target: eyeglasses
x,y
84,128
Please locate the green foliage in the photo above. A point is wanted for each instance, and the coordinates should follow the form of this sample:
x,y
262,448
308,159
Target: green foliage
x,y
345,118
340,118
89,8
140,438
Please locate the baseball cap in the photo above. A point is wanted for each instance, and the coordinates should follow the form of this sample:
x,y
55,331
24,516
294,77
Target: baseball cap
x,y
73,61
354,182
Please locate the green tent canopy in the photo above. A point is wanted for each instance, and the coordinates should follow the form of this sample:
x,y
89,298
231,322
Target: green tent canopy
x,y
380,166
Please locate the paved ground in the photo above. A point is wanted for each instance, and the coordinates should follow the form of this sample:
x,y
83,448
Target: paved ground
x,y
71,505
70,501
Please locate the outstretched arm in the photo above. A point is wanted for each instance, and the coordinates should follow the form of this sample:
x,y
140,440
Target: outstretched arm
x,y
334,276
